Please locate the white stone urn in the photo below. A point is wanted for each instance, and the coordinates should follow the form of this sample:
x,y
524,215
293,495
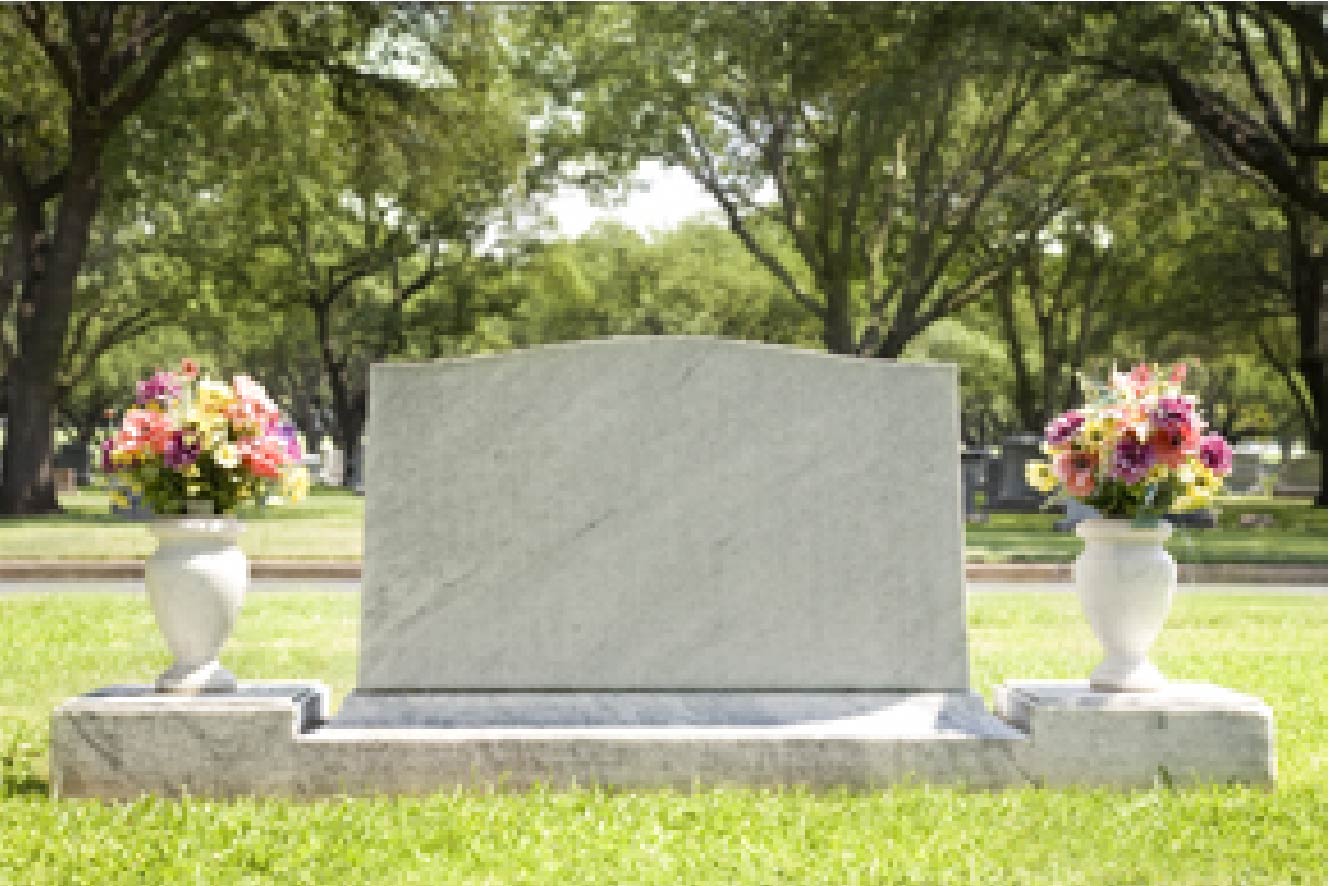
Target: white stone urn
x,y
196,580
1126,581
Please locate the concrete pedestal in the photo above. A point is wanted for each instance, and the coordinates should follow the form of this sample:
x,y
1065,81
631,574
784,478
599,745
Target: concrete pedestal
x,y
1184,733
276,739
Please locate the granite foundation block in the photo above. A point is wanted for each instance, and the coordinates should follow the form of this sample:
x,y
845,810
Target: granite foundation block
x,y
277,739
1186,733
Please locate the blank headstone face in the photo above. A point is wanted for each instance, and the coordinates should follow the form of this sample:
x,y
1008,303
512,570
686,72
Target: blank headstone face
x,y
663,514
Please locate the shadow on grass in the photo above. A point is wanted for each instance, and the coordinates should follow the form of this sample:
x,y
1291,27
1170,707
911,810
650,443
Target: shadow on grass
x,y
17,780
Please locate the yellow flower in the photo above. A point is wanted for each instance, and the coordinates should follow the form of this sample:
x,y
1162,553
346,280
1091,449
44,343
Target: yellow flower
x,y
226,455
1039,474
119,500
295,484
214,396
1208,480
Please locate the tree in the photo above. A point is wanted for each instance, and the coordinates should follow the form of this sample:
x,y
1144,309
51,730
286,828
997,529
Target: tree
x,y
99,66
104,60
882,158
695,280
1250,78
358,220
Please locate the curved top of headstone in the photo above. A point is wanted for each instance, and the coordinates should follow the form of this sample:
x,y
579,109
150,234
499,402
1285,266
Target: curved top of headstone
x,y
651,513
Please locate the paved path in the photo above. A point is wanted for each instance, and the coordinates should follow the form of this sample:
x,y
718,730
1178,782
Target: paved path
x,y
350,586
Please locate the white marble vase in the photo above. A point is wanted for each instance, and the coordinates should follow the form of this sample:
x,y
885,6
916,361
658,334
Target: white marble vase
x,y
1126,581
196,580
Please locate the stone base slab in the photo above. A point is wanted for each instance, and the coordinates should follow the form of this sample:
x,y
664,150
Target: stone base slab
x,y
276,739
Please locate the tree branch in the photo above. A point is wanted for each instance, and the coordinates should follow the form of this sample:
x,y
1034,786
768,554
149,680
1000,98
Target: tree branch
x,y
33,16
704,172
1274,119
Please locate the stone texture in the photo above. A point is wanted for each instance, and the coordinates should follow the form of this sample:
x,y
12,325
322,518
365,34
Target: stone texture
x,y
273,740
664,514
1186,732
125,741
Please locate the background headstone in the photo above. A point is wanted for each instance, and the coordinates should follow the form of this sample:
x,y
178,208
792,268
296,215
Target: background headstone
x,y
974,471
1299,476
1006,487
75,457
1247,473
330,472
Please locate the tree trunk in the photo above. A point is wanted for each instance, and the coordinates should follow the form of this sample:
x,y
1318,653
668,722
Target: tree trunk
x,y
1309,304
45,301
1024,394
837,330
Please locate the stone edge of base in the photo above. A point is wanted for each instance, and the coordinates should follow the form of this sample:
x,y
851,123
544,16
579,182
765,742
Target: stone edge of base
x,y
1188,573
124,742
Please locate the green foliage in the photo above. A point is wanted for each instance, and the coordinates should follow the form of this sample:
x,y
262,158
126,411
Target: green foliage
x,y
695,280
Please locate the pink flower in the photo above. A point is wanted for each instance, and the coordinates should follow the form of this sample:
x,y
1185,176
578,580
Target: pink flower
x,y
1175,429
145,429
1179,373
1063,428
1141,376
160,388
1216,454
189,368
263,456
253,411
1077,470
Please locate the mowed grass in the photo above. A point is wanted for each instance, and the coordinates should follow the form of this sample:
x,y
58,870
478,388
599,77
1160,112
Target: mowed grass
x,y
1275,647
1298,535
327,526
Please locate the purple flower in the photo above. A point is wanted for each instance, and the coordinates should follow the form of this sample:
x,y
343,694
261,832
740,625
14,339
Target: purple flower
x,y
107,466
1216,454
160,387
1063,428
1132,459
182,449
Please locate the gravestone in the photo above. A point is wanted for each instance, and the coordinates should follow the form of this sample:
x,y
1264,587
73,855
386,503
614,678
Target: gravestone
x,y
330,471
76,457
974,471
1247,474
1300,476
657,562
662,515
1007,490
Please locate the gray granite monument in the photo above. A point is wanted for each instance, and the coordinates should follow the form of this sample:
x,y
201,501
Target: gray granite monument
x,y
652,562
655,515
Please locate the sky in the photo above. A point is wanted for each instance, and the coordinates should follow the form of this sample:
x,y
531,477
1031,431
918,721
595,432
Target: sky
x,y
664,197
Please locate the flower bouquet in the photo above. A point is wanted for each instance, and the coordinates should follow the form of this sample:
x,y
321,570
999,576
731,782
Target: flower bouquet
x,y
1136,450
192,445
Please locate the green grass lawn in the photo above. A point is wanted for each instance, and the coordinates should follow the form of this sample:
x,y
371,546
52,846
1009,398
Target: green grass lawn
x,y
1297,536
327,526
1275,647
